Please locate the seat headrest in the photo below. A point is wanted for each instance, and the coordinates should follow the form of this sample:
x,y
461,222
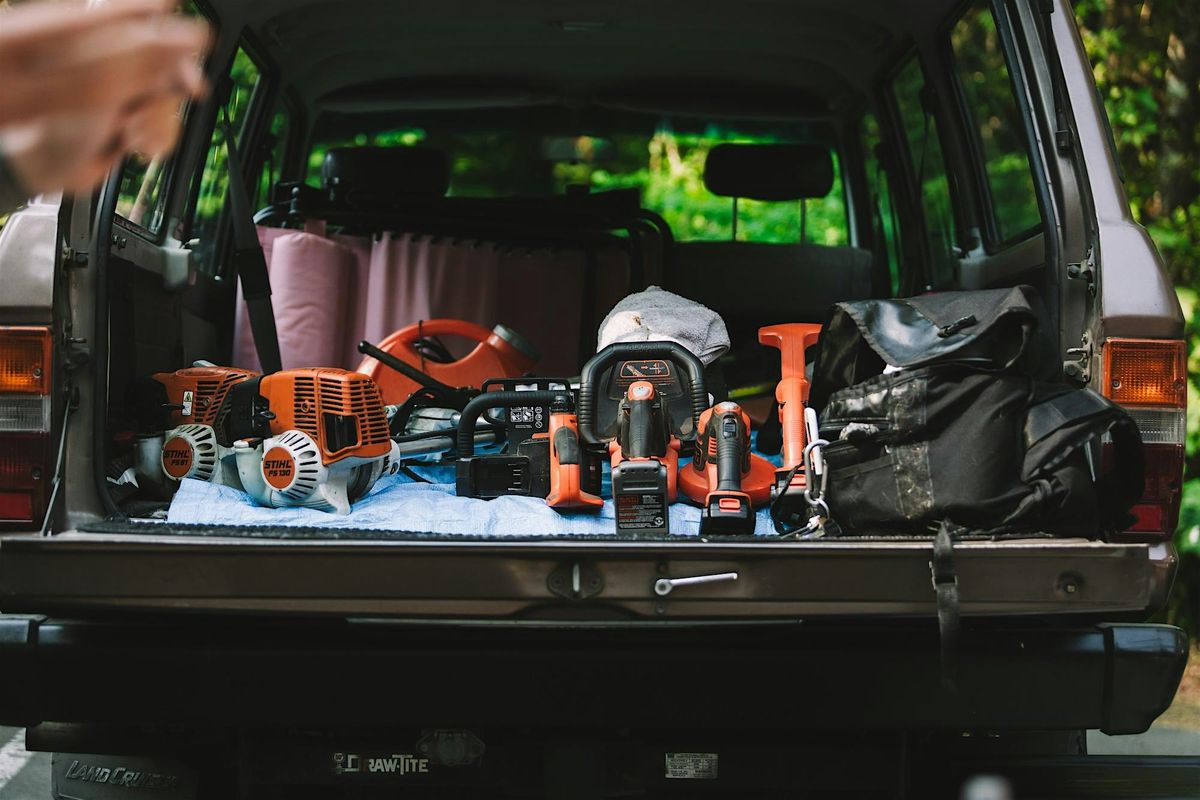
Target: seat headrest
x,y
769,171
386,172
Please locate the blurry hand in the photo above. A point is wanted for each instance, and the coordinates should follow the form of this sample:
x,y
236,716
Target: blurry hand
x,y
61,57
82,88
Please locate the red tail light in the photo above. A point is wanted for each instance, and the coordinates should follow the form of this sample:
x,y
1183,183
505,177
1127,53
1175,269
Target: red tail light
x,y
1149,378
25,400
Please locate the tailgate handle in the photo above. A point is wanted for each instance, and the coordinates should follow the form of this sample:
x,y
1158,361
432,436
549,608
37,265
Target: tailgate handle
x,y
664,586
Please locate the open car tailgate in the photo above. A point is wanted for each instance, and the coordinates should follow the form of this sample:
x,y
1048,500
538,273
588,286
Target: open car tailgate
x,y
570,579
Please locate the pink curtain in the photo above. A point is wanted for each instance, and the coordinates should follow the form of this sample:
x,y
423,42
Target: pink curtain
x,y
329,292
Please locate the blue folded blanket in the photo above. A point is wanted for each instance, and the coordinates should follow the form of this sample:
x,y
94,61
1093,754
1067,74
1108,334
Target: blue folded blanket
x,y
402,504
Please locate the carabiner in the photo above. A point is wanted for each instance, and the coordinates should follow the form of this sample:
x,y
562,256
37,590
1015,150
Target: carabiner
x,y
809,470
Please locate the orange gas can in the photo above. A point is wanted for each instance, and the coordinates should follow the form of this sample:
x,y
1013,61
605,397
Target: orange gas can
x,y
500,353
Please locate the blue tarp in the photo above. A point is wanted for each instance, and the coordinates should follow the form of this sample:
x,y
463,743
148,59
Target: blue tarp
x,y
399,503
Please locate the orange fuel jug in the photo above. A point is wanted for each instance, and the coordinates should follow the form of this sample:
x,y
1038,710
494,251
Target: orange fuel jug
x,y
501,353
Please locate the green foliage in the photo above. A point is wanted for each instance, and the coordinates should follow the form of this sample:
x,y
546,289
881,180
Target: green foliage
x,y
1146,60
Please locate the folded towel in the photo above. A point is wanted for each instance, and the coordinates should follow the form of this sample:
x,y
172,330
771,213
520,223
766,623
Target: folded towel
x,y
658,315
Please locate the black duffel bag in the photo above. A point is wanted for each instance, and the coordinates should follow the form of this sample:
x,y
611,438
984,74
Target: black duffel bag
x,y
989,453
934,415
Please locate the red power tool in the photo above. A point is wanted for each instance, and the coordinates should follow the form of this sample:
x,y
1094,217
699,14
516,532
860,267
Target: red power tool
x,y
645,446
544,458
308,437
792,340
725,478
501,353
567,460
645,462
193,399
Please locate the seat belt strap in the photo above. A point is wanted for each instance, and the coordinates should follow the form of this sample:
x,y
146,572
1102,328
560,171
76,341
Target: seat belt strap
x,y
249,263
945,585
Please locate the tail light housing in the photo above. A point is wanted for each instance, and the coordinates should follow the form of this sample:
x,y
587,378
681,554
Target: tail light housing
x,y
1148,377
25,406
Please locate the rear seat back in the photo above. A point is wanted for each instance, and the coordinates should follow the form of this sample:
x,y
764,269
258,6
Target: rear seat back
x,y
771,282
375,177
752,284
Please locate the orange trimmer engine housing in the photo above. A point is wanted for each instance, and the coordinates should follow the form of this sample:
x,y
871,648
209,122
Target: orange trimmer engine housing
x,y
190,447
500,353
316,438
341,411
791,394
196,395
702,477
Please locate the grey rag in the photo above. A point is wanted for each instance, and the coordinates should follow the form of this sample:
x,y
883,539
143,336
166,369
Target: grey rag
x,y
658,315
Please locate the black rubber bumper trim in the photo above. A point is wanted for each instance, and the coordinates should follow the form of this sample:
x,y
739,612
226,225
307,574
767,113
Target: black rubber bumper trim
x,y
227,671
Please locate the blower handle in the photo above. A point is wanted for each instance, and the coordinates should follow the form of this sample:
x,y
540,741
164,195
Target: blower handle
x,y
791,340
404,368
640,440
489,400
730,449
628,351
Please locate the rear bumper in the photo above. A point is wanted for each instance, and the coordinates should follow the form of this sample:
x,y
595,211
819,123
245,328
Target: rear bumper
x,y
794,677
571,579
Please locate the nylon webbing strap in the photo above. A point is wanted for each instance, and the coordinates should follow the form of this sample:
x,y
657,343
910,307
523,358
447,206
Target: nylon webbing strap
x,y
945,584
249,263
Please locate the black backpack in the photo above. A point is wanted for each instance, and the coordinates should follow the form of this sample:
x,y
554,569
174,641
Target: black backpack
x,y
933,415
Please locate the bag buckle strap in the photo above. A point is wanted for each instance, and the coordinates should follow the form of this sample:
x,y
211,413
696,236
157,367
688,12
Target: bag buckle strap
x,y
945,587
939,575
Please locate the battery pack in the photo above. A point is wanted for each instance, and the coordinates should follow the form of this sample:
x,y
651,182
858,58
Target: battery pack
x,y
640,495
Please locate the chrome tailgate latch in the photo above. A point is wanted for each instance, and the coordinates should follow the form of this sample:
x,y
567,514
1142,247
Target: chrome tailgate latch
x,y
664,586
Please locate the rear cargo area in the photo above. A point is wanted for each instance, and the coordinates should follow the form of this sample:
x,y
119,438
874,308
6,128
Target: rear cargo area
x,y
381,245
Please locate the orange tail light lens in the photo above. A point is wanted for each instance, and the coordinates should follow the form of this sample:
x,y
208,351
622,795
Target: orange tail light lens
x,y
1149,378
25,403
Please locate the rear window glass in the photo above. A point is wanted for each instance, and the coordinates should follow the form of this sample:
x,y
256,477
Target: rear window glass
x,y
884,219
214,180
916,107
141,189
143,179
665,165
988,93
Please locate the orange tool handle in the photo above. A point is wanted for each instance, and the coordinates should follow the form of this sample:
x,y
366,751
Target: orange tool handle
x,y
566,466
791,339
408,336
